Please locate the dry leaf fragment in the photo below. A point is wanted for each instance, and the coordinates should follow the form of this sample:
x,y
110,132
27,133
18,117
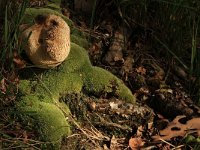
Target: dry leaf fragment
x,y
179,127
3,86
18,61
141,70
136,143
117,143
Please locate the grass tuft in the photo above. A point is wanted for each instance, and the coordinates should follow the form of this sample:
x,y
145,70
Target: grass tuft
x,y
13,15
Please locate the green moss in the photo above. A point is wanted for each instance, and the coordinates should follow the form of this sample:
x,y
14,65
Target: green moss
x,y
79,40
31,13
72,76
54,7
57,2
39,95
98,80
67,78
78,33
48,118
25,87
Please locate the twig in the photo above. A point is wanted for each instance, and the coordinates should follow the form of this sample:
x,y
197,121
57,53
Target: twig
x,y
167,142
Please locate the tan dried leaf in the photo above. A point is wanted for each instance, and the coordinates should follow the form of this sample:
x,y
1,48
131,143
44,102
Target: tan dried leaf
x,y
176,128
141,70
116,143
136,143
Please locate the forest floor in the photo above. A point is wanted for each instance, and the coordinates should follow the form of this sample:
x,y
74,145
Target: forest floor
x,y
166,117
170,115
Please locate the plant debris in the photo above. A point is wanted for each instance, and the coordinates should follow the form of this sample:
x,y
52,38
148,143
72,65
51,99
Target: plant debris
x,y
179,127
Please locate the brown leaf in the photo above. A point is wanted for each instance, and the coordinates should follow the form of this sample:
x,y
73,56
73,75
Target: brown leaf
x,y
127,66
140,130
179,127
141,70
136,143
3,86
19,62
116,143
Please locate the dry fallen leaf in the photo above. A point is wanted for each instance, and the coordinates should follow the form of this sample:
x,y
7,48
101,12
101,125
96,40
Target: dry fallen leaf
x,y
117,143
141,70
179,127
136,143
19,62
127,66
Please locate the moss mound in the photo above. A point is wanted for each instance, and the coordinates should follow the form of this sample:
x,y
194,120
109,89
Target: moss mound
x,y
39,94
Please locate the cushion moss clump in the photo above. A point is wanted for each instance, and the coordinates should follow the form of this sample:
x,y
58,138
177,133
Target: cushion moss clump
x,y
51,121
39,94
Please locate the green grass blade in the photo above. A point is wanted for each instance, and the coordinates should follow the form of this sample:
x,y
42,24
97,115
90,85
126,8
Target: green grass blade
x,y
6,28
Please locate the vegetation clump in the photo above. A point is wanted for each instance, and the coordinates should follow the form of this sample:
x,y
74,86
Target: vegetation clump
x,y
38,102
